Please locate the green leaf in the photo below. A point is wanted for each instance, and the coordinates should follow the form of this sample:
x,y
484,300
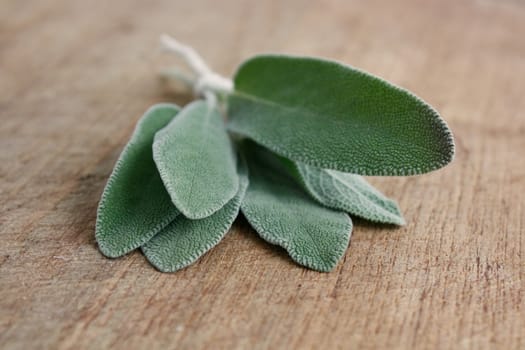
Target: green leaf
x,y
135,205
333,116
283,214
196,161
350,193
184,241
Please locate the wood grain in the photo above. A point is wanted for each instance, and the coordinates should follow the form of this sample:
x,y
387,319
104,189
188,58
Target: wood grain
x,y
76,75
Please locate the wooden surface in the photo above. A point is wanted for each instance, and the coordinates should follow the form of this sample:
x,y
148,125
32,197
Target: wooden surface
x,y
76,75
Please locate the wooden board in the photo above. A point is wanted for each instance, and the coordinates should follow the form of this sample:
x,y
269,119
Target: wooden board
x,y
76,75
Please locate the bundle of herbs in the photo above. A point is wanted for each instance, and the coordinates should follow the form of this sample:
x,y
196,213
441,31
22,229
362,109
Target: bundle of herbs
x,y
286,143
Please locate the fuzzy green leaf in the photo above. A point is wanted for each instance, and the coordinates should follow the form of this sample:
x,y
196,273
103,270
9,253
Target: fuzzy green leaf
x,y
283,214
184,241
135,205
350,193
333,116
196,161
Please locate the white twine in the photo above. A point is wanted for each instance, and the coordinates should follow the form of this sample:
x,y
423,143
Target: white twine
x,y
207,82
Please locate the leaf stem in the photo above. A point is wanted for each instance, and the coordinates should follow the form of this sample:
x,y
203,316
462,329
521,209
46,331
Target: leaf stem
x,y
206,80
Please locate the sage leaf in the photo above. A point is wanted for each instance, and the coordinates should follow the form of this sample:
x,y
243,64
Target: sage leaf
x,y
135,205
196,161
350,193
333,116
283,214
184,241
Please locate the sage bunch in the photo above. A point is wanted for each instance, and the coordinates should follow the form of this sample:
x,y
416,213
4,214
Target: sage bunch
x,y
285,143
